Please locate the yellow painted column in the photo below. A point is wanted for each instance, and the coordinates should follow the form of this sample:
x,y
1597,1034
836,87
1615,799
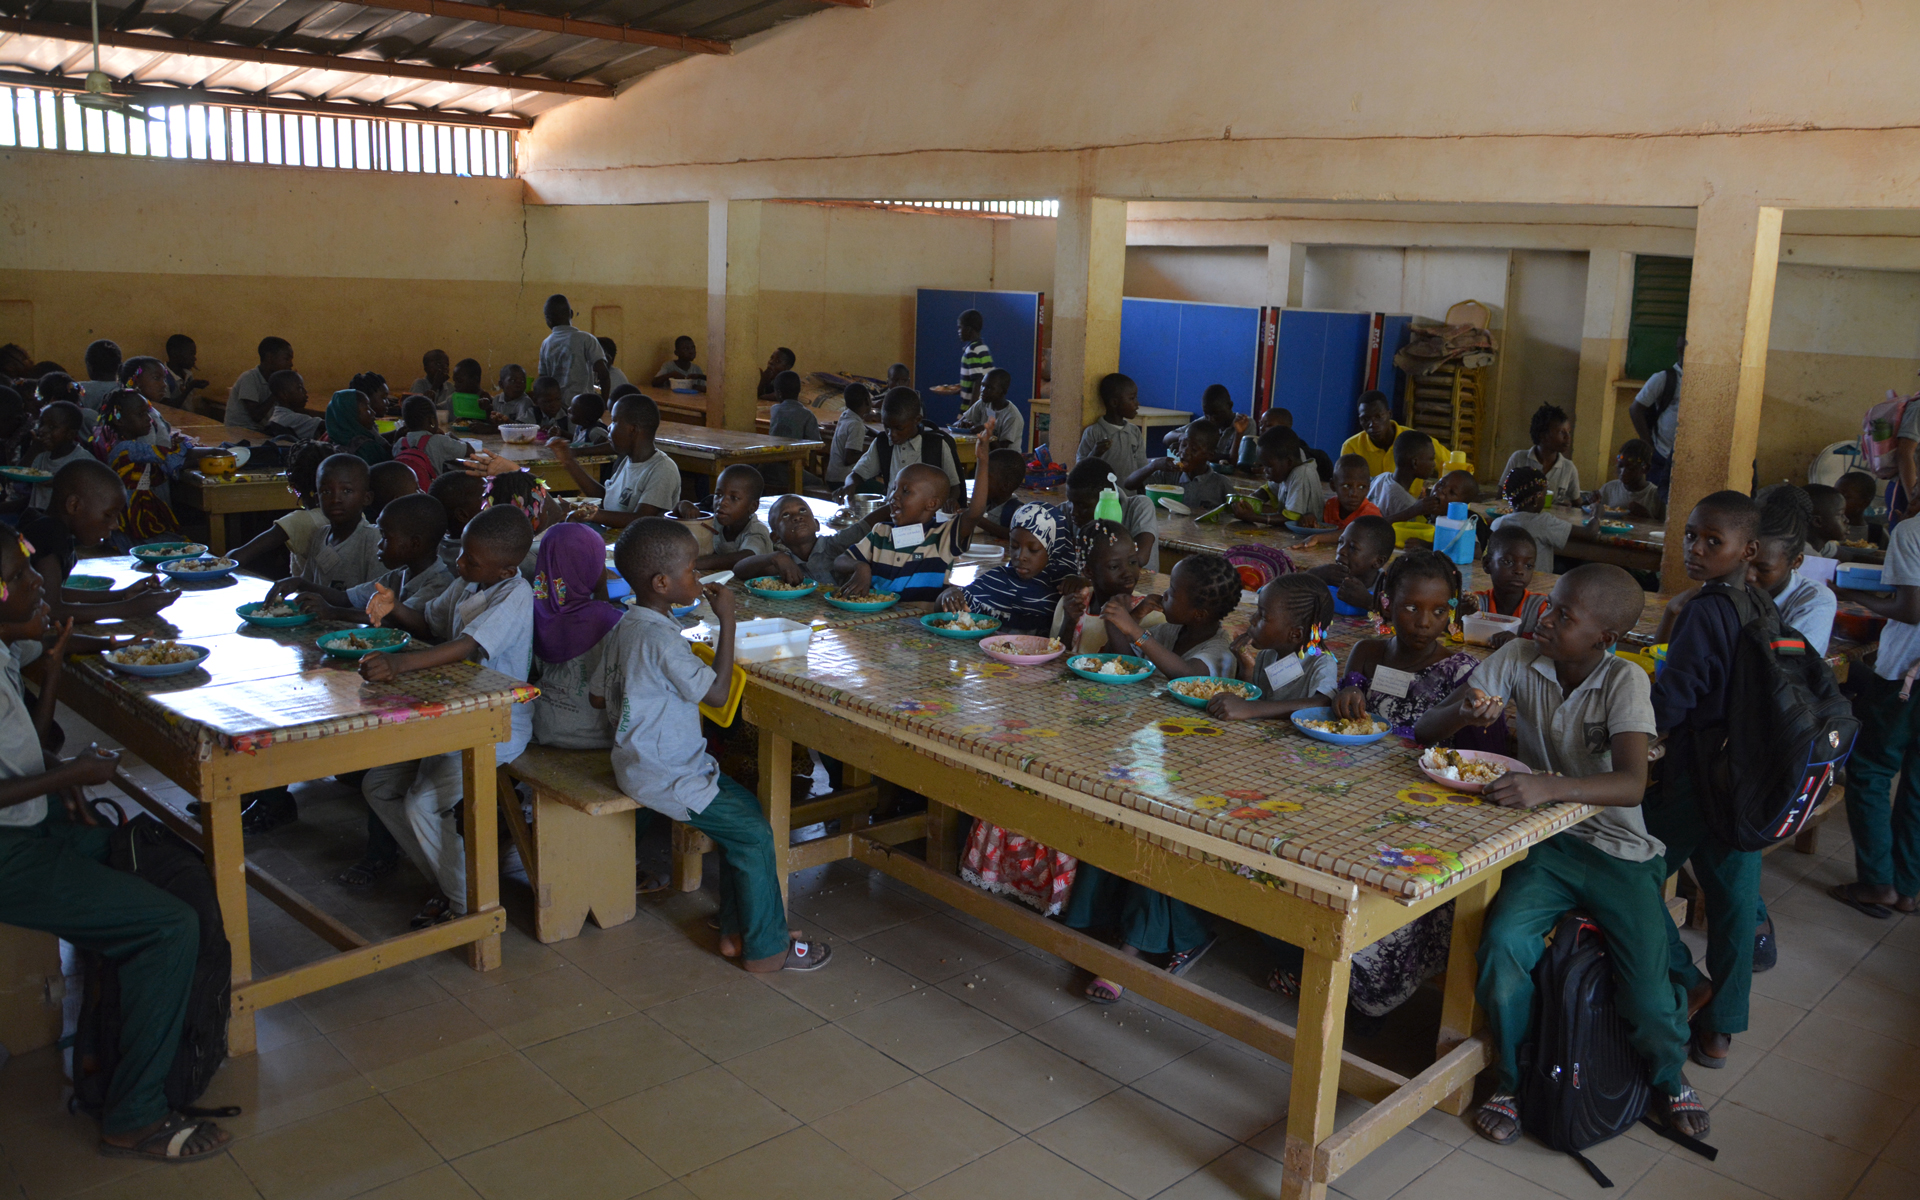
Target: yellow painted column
x,y
733,313
1598,429
1736,251
1089,267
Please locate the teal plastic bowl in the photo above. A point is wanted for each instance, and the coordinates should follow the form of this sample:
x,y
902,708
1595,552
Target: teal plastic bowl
x,y
88,583
941,623
1338,739
250,613
155,553
862,606
337,645
779,593
1143,669
1252,691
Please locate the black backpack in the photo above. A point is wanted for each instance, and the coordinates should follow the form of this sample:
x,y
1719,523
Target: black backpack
x,y
145,848
1788,731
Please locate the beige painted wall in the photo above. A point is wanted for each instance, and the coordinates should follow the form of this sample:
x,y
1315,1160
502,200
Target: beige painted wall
x,y
1205,274
1546,302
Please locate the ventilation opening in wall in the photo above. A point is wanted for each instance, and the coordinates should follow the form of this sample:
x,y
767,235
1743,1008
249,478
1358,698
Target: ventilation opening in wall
x,y
44,119
983,208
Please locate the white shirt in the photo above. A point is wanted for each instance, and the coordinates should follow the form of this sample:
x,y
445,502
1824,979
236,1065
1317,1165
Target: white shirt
x,y
416,591
1126,450
568,355
20,753
1319,676
251,386
1389,496
653,685
1301,491
1549,532
655,482
1563,478
1649,396
500,619
562,714
1012,426
1900,642
849,443
904,455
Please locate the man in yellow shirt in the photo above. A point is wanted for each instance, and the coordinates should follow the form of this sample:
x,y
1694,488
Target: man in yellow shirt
x,y
1374,442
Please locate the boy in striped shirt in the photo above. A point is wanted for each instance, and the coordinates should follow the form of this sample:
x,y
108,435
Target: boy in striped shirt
x,y
975,360
901,556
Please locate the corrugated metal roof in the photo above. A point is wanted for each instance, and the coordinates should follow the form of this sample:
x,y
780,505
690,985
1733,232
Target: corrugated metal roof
x,y
452,47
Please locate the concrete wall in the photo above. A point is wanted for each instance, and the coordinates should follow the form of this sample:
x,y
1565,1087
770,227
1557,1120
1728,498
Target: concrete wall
x,y
1205,274
1546,302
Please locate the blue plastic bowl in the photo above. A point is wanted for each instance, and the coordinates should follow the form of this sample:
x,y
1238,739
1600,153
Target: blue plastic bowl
x,y
1338,739
158,672
1254,691
939,623
250,613
183,569
1145,668
1341,606
388,639
684,610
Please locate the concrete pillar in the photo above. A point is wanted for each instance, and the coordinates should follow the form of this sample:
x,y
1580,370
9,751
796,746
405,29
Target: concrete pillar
x,y
1089,267
733,313
1598,426
1286,273
1736,251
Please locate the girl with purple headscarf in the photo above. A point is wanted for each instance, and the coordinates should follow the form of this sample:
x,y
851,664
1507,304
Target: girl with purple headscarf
x,y
571,619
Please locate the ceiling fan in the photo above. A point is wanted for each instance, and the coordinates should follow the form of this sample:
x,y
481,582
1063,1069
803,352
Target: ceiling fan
x,y
100,94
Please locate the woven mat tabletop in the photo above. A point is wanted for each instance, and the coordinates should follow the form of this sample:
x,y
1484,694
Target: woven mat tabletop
x,y
1364,814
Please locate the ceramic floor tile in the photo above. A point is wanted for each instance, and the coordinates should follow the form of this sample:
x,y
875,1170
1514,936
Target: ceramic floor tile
x,y
520,956
488,1102
282,1025
1777,1158
214,1179
1808,900
32,1086
1624,1160
726,1022
1870,1006
1119,1040
1406,1156
624,1056
595,942
800,1165
336,1155
817,1072
1222,1088
914,1133
1808,970
438,1183
59,1155
1239,1173
545,1006
926,1029
1682,1176
1859,1055
1904,1150
371,997
1891,967
1132,1142
850,908
1769,1020
1023,990
1461,1176
1884,1181
576,1159
696,1120
857,981
669,1191
276,1087
418,1044
935,948
1905,933
1019,1169
658,972
1023,1083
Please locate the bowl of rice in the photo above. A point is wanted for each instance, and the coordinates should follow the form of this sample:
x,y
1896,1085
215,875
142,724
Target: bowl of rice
x,y
518,435
1110,668
961,625
200,568
772,587
355,643
155,553
279,614
1022,650
1468,770
154,660
1198,690
872,602
1323,725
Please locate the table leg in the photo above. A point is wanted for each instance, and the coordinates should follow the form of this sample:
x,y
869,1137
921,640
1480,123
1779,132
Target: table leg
x,y
226,853
943,829
478,784
217,532
1316,1070
776,796
1459,1012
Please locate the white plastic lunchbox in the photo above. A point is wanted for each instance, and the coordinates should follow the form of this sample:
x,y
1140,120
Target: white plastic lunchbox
x,y
768,638
1482,628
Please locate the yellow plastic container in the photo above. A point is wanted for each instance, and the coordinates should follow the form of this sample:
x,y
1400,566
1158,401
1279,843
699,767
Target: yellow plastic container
x,y
1640,659
1402,530
736,688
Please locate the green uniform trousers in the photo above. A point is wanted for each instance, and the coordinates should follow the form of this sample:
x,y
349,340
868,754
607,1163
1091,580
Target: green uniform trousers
x,y
1730,882
1148,921
1885,827
54,877
750,907
1562,873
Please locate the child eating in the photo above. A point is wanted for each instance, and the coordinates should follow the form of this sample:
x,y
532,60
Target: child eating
x,y
1509,564
85,508
420,433
1206,490
799,552
1630,491
1402,494
646,483
908,441
346,550
900,556
1280,652
1525,488
1113,570
1349,502
993,402
57,434
737,533
410,532
653,684
1396,678
1020,591
1354,574
1552,432
513,406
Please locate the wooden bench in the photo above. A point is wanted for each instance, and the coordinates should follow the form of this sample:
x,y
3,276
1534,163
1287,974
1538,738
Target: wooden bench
x,y
579,850
31,988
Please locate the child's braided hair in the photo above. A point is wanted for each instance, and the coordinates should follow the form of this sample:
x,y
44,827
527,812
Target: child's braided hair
x,y
1420,564
1216,583
303,466
1102,534
1786,516
1304,599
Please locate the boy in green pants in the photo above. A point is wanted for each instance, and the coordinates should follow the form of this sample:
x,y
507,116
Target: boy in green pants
x,y
54,877
1584,716
655,685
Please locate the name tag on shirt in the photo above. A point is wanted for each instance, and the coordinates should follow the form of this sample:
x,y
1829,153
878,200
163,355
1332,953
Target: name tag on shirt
x,y
1284,671
906,537
1389,682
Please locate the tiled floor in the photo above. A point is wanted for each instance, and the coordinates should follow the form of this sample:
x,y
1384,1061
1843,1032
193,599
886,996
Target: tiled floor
x,y
933,1058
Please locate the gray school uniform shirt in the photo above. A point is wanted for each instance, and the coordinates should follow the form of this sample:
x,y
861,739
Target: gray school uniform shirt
x,y
344,564
1563,478
1614,494
1572,734
20,753
849,442
1388,496
755,538
439,448
1808,607
562,714
517,412
904,455
653,685
415,591
500,619
1215,653
792,419
568,354
1301,492
826,551
1127,452
449,552
43,461
1301,678
1012,426
1549,532
655,482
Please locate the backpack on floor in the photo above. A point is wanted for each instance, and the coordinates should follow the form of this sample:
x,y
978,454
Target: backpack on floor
x,y
1879,429
1787,731
145,848
1581,1080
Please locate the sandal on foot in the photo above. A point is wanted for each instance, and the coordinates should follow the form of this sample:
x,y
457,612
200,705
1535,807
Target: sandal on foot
x,y
1102,991
646,882
803,954
1500,1107
1843,892
1285,982
1181,961
1766,947
437,911
1697,1050
366,871
168,1143
1687,1115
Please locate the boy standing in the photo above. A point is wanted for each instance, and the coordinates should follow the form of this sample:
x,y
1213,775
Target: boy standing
x,y
653,684
1584,722
975,360
645,484
1689,700
572,356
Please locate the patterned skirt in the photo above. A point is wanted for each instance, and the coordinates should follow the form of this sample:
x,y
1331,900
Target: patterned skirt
x,y
998,860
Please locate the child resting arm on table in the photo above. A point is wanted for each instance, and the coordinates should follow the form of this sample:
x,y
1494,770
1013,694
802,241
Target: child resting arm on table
x,y
900,556
1280,652
88,499
410,532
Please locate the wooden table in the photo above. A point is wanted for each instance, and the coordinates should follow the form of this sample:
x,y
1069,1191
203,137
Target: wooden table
x,y
697,450
240,493
1041,415
268,709
536,457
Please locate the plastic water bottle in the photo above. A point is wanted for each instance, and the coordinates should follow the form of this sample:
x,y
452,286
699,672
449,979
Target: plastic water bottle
x,y
1453,534
1108,509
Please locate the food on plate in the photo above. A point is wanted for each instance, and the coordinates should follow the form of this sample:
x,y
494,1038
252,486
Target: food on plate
x,y
207,563
358,641
154,654
1207,689
279,608
968,622
1348,726
1112,666
773,583
1453,765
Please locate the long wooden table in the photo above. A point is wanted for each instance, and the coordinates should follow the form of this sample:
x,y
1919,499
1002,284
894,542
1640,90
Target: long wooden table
x,y
269,709
697,450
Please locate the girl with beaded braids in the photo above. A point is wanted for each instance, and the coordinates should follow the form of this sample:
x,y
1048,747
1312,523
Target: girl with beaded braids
x,y
1202,590
1280,652
1112,567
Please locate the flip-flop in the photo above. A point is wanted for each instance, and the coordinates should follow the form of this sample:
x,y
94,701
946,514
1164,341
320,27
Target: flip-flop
x,y
169,1141
805,955
1181,961
1878,912
1687,1103
1101,991
1766,948
1503,1106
